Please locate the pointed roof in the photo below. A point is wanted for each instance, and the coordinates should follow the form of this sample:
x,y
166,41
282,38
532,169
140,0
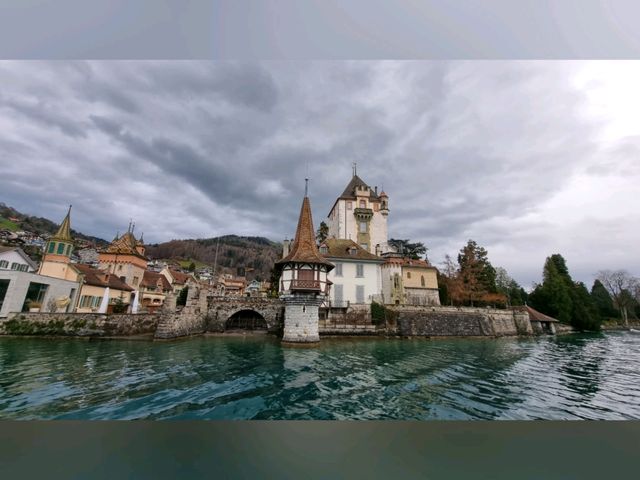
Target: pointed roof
x,y
64,231
304,249
125,245
350,189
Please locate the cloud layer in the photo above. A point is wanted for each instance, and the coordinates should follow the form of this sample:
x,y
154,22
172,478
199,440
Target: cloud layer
x,y
526,158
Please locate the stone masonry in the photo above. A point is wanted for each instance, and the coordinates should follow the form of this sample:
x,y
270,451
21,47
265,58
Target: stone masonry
x,y
446,321
301,318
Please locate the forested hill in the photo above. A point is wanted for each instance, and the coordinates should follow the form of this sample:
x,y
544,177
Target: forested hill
x,y
38,225
254,254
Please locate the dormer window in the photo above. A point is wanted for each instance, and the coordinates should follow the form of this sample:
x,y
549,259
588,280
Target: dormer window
x,y
353,250
324,249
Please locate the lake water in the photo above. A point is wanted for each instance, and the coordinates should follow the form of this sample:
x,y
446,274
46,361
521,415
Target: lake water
x,y
594,376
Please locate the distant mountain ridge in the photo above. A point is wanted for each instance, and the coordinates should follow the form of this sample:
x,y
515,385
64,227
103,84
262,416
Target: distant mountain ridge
x,y
40,225
254,255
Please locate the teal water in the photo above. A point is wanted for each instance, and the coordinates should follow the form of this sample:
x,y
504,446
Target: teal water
x,y
570,377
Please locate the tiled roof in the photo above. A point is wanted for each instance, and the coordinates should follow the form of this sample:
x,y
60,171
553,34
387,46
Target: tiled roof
x,y
99,278
304,249
350,190
340,248
407,262
125,245
179,277
537,316
150,279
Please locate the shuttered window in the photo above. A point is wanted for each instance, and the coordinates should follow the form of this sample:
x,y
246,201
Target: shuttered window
x,y
359,293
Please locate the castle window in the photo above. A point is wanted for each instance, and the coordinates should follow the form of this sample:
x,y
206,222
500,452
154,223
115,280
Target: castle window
x,y
349,205
363,204
353,250
376,207
52,245
363,227
359,270
408,274
60,250
422,280
338,269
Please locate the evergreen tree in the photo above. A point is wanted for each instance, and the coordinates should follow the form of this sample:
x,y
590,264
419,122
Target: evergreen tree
x,y
603,301
553,296
182,296
412,250
476,272
584,315
322,233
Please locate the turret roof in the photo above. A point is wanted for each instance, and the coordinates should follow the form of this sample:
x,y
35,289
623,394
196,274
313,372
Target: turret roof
x,y
350,190
124,245
304,249
64,231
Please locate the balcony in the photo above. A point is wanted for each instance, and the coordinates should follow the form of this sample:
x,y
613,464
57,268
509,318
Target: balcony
x,y
363,213
307,285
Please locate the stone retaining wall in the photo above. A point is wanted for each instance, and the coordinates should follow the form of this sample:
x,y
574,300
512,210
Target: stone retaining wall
x,y
79,324
448,321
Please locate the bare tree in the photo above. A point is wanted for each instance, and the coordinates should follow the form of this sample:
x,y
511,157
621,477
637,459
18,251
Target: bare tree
x,y
621,286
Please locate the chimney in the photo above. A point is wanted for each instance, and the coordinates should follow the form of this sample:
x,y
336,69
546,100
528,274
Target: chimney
x,y
286,244
375,190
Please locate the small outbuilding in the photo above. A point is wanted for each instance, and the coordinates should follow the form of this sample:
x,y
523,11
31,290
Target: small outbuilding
x,y
541,323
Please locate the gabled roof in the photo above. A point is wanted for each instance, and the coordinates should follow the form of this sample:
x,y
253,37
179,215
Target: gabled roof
x,y
150,279
99,278
20,252
64,231
304,249
340,248
537,316
179,277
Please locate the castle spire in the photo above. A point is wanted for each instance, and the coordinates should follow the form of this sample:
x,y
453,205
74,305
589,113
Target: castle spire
x,y
304,249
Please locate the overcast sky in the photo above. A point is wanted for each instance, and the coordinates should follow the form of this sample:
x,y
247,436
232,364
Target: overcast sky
x,y
527,158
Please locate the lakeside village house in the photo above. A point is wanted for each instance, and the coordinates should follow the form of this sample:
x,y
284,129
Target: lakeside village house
x,y
117,278
365,267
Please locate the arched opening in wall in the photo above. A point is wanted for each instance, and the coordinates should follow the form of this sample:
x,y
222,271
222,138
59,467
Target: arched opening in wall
x,y
246,320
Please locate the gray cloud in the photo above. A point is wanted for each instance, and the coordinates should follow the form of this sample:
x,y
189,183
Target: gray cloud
x,y
495,151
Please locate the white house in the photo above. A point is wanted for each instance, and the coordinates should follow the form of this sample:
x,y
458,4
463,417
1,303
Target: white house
x,y
356,278
20,291
14,258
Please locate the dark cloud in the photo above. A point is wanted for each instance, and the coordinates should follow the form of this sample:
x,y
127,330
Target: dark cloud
x,y
505,153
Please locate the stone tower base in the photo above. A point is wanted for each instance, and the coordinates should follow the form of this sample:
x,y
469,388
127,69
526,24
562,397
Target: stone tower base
x,y
301,318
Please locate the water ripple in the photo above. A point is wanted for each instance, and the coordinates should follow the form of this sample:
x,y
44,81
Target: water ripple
x,y
573,377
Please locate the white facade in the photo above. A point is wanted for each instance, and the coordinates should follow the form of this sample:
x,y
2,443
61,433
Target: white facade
x,y
16,259
14,286
360,214
355,282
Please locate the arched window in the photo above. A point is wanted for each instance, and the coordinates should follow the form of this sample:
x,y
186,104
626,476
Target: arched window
x,y
422,280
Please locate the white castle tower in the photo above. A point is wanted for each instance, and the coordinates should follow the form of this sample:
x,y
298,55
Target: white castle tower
x,y
360,214
303,281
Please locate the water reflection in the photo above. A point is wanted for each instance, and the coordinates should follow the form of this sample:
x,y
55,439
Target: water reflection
x,y
588,376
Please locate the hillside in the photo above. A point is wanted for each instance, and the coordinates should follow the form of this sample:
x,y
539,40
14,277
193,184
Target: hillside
x,y
37,225
254,254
